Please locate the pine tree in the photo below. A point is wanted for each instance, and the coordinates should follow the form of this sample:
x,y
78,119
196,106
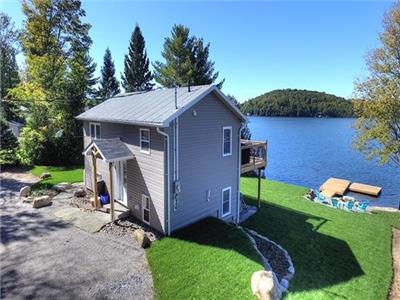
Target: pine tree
x,y
109,85
186,61
137,76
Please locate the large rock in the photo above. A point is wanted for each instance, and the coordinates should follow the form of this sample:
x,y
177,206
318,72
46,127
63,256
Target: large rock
x,y
39,202
24,191
80,193
61,187
45,175
141,238
264,286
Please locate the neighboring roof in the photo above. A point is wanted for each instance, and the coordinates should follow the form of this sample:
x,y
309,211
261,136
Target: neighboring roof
x,y
153,108
110,149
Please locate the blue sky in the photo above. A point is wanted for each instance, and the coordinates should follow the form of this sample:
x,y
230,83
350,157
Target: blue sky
x,y
257,46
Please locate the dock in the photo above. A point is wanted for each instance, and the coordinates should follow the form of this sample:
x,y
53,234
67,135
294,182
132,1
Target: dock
x,y
365,189
335,186
338,187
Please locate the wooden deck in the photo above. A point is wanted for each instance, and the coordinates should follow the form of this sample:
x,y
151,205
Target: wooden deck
x,y
254,155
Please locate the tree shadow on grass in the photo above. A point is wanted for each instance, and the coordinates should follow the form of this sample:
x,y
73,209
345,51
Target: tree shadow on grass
x,y
320,260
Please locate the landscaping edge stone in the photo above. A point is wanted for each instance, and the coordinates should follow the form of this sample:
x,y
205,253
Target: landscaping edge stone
x,y
284,283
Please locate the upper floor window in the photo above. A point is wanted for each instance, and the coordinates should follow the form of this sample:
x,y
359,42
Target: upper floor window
x,y
95,130
144,140
227,140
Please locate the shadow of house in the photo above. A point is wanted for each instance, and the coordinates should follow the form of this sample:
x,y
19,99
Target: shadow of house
x,y
320,260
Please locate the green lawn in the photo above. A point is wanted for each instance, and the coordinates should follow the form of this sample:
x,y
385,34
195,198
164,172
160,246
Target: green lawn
x,y
58,174
336,254
208,260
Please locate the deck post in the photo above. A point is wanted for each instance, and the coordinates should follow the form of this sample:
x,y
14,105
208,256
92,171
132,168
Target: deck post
x,y
94,158
259,188
111,192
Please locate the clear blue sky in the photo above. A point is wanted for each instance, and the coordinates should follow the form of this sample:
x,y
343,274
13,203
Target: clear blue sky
x,y
256,46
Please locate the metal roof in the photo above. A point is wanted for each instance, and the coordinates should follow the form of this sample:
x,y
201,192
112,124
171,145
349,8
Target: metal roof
x,y
110,149
153,108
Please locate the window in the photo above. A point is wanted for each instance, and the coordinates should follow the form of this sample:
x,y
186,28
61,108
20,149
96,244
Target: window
x,y
146,209
94,131
226,201
227,141
145,140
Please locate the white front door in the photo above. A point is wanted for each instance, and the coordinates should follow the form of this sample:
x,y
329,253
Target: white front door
x,y
121,172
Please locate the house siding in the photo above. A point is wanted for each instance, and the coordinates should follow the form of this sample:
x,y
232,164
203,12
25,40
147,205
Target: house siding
x,y
145,173
201,165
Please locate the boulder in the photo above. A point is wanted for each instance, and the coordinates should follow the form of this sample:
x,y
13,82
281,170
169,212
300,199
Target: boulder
x,y
80,193
24,191
61,187
39,202
141,238
45,175
264,286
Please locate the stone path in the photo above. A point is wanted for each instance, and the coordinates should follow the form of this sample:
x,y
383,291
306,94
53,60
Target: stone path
x,y
395,291
44,257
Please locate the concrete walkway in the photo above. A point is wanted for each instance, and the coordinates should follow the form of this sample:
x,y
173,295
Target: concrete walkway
x,y
44,257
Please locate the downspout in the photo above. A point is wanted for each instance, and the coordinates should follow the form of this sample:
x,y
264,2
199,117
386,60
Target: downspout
x,y
239,173
168,181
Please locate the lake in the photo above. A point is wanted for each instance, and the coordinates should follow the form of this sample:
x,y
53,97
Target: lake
x,y
307,151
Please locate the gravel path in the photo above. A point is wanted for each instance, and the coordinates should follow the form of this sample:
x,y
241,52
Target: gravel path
x,y
45,258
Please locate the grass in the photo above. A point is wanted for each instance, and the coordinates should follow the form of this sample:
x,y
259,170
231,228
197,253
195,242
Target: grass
x,y
208,260
337,254
58,175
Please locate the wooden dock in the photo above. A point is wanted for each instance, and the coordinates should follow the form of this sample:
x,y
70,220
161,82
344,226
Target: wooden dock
x,y
335,186
338,187
365,189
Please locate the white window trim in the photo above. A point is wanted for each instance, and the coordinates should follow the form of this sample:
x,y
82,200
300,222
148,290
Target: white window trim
x,y
223,141
230,201
140,137
144,206
95,130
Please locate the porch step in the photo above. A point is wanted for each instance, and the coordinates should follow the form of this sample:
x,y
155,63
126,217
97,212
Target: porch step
x,y
120,211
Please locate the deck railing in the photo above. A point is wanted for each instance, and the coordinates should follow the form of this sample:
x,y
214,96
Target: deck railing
x,y
254,155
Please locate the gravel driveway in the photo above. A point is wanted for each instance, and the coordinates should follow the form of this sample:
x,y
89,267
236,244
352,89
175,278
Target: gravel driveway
x,y
43,257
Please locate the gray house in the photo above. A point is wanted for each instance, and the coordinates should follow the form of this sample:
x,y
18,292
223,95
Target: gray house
x,y
171,156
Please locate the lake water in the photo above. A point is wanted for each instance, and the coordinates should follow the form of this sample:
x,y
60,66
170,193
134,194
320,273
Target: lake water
x,y
307,151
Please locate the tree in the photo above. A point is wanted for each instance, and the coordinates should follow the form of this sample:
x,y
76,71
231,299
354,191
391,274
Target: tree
x,y
378,96
245,133
186,61
137,76
59,69
8,144
9,77
109,85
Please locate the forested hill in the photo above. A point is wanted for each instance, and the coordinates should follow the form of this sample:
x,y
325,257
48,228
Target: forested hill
x,y
298,103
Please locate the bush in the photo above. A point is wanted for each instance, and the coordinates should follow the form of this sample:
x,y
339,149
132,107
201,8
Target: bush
x,y
31,146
